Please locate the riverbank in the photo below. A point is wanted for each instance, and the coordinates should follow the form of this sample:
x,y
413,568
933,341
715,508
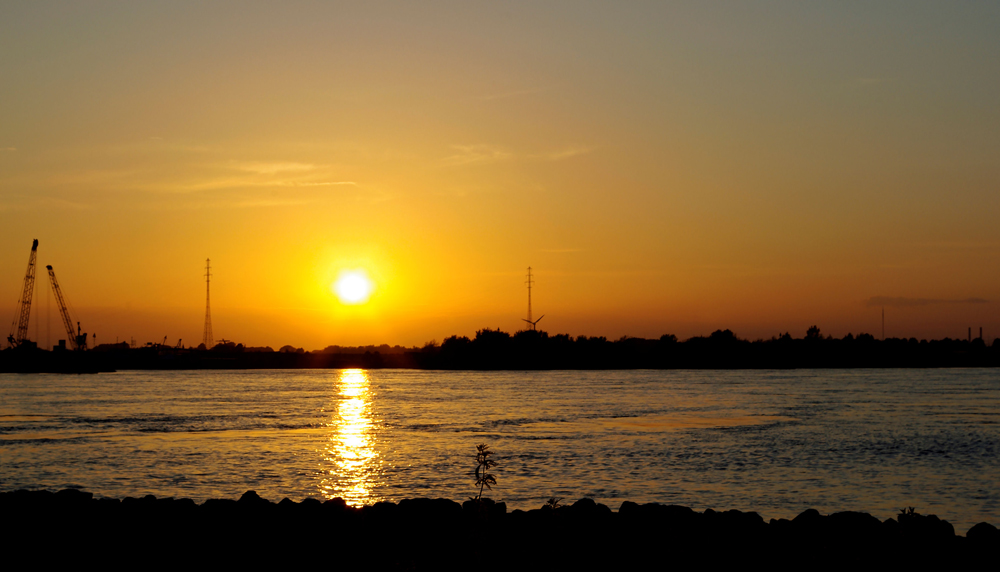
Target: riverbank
x,y
530,350
443,534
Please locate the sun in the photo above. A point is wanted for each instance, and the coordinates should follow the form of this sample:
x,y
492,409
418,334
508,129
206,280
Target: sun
x,y
353,287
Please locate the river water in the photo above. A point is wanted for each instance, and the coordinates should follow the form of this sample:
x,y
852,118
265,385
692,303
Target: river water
x,y
775,442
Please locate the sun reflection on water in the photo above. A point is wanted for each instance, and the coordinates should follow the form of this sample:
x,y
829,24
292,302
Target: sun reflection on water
x,y
352,467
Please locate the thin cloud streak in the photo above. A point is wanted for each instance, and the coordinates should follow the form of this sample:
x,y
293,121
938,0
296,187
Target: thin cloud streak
x,y
320,184
482,153
901,302
474,154
568,153
270,203
273,168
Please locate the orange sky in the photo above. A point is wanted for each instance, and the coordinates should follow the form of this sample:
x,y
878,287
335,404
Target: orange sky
x,y
664,168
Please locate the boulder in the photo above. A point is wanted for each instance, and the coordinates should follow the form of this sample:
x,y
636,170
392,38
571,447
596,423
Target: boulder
x,y
334,503
251,498
73,497
855,525
984,532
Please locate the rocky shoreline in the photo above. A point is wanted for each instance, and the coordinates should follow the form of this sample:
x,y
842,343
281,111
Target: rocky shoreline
x,y
74,526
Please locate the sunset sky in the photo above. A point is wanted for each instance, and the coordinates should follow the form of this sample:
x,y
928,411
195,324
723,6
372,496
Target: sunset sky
x,y
663,167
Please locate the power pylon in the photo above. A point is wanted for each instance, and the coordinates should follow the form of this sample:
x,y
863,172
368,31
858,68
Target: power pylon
x,y
19,328
207,338
531,323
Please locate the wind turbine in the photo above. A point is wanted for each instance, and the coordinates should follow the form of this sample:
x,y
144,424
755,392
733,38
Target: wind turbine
x,y
534,323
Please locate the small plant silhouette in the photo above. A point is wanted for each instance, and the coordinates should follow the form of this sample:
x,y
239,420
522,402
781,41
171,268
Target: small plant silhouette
x,y
552,503
484,479
908,511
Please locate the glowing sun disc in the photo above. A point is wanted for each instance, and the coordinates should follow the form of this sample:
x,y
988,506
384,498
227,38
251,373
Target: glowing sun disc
x,y
353,287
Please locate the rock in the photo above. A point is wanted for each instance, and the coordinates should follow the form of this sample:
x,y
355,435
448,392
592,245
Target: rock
x,y
251,498
734,521
215,506
891,528
73,496
925,528
381,511
584,509
430,508
984,532
809,524
334,503
499,509
186,504
781,526
628,508
855,525
808,516
484,508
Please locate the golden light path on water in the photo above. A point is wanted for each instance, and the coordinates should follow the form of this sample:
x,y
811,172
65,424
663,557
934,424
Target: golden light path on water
x,y
352,466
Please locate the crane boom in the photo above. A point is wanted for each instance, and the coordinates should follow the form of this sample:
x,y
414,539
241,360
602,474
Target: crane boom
x,y
19,329
76,340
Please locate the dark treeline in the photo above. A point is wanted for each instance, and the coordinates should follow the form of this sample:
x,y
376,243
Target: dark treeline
x,y
528,349
73,527
495,349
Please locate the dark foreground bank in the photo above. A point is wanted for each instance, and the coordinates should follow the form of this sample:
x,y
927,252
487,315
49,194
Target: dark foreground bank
x,y
72,526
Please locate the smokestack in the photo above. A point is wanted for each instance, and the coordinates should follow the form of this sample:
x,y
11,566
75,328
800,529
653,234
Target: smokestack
x,y
980,332
970,333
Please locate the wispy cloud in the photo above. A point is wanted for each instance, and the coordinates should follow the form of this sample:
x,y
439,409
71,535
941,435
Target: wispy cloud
x,y
565,153
34,202
256,175
482,153
275,167
561,250
224,183
472,154
318,183
901,302
9,149
269,203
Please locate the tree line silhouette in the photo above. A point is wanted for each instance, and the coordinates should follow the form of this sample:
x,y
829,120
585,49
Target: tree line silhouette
x,y
495,349
530,349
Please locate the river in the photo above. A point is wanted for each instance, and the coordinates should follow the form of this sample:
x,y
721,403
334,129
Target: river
x,y
775,442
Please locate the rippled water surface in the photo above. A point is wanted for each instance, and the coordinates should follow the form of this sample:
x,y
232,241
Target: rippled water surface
x,y
774,442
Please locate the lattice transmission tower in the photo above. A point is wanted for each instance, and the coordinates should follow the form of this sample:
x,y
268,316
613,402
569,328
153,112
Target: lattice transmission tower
x,y
529,282
207,337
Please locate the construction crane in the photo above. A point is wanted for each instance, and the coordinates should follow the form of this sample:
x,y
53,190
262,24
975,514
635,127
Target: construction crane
x,y
19,329
78,340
